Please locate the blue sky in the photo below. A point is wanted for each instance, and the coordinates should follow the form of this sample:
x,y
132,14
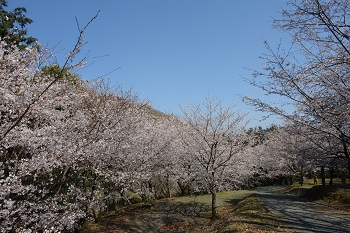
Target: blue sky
x,y
170,53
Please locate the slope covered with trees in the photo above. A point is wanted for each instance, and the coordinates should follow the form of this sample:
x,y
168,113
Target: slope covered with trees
x,y
72,150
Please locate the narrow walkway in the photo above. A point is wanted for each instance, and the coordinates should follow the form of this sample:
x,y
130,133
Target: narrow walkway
x,y
299,215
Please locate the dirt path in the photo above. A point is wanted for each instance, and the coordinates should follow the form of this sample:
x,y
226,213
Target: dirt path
x,y
300,215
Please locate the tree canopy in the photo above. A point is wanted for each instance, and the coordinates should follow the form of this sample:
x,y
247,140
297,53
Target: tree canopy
x,y
312,75
13,25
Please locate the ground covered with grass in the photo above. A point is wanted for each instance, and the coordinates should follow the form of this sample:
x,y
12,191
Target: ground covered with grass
x,y
239,211
337,195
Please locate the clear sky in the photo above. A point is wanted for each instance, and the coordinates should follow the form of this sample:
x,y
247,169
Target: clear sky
x,y
170,53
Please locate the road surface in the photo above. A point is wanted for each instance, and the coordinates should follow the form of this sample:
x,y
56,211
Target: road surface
x,y
300,215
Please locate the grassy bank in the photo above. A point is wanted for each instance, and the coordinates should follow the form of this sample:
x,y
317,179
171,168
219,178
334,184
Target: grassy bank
x,y
337,195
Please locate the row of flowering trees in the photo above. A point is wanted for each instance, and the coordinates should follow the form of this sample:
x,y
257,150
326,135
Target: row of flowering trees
x,y
312,76
71,149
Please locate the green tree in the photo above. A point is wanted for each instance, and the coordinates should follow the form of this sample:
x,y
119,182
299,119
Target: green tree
x,y
54,71
13,26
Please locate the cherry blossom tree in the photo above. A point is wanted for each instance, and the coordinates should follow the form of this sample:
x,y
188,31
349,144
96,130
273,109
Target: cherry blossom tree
x,y
298,153
53,127
62,140
189,172
215,138
316,151
156,155
312,75
165,161
25,97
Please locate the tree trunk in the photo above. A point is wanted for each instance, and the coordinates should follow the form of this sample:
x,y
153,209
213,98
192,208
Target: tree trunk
x,y
96,211
331,172
182,187
64,177
348,168
346,152
152,191
213,204
323,176
168,191
189,190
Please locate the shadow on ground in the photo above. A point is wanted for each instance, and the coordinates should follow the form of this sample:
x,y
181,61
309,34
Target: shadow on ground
x,y
301,215
264,211
164,216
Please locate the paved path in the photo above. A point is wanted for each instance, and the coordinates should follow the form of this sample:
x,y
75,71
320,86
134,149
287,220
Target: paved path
x,y
299,215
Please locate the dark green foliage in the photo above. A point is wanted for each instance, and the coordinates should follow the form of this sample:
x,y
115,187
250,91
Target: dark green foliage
x,y
12,26
260,135
54,71
135,198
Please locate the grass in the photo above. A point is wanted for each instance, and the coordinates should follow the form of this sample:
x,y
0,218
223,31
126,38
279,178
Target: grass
x,y
223,198
246,215
297,189
256,216
238,211
337,195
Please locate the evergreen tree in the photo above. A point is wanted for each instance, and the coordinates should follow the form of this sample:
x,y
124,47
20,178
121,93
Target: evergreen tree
x,y
13,26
